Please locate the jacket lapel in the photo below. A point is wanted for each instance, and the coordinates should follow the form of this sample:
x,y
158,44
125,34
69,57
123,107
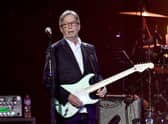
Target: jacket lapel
x,y
85,56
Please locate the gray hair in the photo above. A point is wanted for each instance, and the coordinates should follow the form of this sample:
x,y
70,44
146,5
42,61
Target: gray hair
x,y
68,12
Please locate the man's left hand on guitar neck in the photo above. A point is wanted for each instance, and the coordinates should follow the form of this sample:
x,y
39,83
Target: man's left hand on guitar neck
x,y
101,92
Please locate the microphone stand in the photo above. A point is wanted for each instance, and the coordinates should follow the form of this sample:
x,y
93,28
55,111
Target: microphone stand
x,y
52,79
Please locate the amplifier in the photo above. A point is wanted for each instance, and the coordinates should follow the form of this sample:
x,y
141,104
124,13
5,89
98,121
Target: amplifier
x,y
114,110
10,106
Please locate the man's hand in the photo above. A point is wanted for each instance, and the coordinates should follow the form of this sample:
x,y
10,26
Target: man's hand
x,y
74,100
101,92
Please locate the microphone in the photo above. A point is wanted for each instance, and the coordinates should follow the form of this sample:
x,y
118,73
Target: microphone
x,y
48,31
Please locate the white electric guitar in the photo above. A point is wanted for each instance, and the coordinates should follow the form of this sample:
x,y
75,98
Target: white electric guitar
x,y
82,89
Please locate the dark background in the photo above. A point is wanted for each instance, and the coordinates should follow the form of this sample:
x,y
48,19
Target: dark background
x,y
23,41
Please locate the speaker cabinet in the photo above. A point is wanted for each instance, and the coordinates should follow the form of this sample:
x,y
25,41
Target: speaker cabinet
x,y
17,121
118,110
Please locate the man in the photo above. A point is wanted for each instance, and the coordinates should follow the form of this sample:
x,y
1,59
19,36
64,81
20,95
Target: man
x,y
73,60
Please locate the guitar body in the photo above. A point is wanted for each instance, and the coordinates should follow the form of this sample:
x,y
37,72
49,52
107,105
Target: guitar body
x,y
78,89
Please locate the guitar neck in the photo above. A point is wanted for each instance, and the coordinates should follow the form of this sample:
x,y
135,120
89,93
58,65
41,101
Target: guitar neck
x,y
110,80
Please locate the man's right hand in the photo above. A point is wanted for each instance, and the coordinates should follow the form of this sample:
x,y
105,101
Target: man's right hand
x,y
74,100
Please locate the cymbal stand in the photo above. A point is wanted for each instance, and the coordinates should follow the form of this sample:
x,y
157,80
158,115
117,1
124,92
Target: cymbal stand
x,y
149,118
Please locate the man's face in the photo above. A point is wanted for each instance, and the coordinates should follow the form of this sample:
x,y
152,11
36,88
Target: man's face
x,y
70,27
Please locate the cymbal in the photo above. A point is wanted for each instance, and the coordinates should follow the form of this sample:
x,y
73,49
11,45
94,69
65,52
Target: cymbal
x,y
144,13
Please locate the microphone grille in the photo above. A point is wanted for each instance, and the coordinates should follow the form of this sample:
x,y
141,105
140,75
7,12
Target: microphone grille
x,y
48,30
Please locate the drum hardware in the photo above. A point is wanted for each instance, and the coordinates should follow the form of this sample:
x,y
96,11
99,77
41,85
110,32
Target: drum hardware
x,y
160,102
162,98
148,46
166,117
151,53
163,58
160,69
165,55
162,118
164,47
149,115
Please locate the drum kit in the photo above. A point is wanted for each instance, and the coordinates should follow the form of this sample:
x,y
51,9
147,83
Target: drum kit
x,y
157,53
